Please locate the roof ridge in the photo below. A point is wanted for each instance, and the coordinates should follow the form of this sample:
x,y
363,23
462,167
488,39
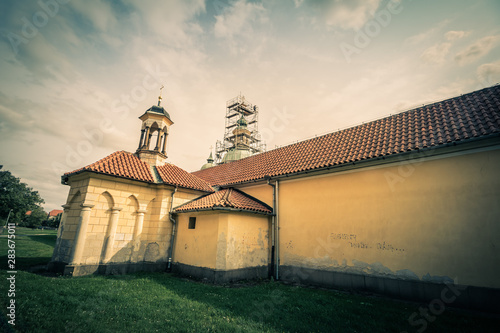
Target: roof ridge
x,y
227,200
225,197
172,174
252,198
156,175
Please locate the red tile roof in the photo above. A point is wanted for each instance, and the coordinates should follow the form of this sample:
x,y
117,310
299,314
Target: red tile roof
x,y
55,212
127,165
459,119
122,164
228,198
174,175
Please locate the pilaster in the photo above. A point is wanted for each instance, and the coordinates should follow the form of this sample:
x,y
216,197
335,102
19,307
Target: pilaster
x,y
81,234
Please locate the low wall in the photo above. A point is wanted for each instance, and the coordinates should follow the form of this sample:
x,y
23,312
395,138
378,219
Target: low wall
x,y
220,276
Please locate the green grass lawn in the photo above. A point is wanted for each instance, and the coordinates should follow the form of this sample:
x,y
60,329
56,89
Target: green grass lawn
x,y
162,302
29,231
31,250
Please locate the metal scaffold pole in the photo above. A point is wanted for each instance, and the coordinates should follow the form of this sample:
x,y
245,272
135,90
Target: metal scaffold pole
x,y
236,109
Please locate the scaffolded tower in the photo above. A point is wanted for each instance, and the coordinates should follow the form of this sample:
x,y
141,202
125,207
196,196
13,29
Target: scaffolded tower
x,y
236,109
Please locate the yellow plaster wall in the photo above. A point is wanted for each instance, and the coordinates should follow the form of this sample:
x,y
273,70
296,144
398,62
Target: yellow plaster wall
x,y
106,193
71,218
435,219
223,240
221,256
128,196
99,219
67,228
247,241
263,192
125,228
198,246
76,195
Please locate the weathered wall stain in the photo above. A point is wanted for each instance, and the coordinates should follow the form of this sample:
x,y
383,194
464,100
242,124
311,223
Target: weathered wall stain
x,y
152,252
362,268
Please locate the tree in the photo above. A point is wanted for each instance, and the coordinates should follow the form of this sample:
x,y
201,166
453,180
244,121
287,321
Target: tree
x,y
35,219
54,222
17,196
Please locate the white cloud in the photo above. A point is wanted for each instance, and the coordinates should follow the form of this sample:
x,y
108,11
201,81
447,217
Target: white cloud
x,y
298,3
346,14
454,35
168,20
489,74
477,50
450,90
238,24
100,14
426,35
417,39
436,54
238,18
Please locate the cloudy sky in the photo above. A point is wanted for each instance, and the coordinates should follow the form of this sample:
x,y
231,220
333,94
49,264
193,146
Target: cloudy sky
x,y
75,75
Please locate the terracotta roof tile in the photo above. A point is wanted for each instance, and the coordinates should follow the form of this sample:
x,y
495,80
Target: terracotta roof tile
x,y
127,165
228,198
121,164
174,175
474,115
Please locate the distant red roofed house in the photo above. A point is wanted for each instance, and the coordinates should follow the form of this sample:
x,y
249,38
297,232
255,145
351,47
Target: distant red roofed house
x,y
406,205
54,213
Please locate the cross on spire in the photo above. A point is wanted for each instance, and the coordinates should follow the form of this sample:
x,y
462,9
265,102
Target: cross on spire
x,y
159,97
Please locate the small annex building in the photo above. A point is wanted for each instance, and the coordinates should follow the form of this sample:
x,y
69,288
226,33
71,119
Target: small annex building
x,y
406,206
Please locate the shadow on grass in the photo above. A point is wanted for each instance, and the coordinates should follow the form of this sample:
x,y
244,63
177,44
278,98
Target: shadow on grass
x,y
30,250
149,302
45,239
26,263
287,308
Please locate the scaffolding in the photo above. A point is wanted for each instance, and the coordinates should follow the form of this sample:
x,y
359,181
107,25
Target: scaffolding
x,y
235,109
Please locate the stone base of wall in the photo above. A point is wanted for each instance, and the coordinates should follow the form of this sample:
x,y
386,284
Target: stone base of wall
x,y
218,276
108,269
435,295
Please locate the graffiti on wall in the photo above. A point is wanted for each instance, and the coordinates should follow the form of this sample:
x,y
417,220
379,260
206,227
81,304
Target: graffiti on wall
x,y
352,240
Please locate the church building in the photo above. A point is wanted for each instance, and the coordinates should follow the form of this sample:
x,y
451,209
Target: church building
x,y
405,206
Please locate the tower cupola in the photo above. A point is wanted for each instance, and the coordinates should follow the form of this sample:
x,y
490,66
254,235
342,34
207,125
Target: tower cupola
x,y
210,162
155,128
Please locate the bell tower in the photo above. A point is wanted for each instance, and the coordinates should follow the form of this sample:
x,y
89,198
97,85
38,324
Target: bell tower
x,y
154,132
